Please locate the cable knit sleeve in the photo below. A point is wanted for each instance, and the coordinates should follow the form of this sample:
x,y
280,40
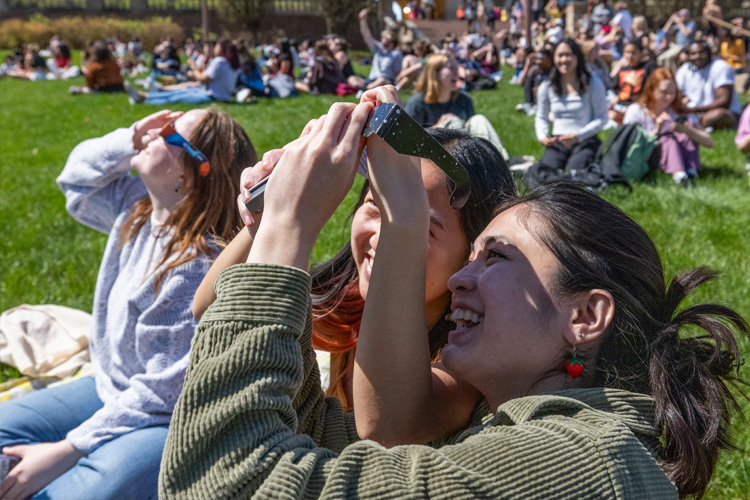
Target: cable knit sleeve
x,y
97,182
233,432
163,334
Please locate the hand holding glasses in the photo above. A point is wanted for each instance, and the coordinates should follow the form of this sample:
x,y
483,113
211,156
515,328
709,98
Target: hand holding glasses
x,y
399,130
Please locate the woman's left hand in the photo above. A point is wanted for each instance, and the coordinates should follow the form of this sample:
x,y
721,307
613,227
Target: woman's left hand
x,y
569,140
395,178
40,465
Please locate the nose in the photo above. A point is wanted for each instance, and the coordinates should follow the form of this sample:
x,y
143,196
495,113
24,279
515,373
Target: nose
x,y
464,279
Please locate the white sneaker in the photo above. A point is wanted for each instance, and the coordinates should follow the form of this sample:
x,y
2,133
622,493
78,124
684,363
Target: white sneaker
x,y
531,111
243,94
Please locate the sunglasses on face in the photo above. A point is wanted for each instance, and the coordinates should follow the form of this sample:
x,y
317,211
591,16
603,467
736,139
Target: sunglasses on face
x,y
171,136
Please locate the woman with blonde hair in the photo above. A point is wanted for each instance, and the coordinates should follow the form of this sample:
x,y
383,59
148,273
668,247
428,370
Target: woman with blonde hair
x,y
439,103
102,437
659,112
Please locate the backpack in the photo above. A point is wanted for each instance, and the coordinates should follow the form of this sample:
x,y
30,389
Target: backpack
x,y
623,157
626,152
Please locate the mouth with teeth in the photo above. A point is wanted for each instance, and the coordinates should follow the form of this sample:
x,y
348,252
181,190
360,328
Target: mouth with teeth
x,y
465,319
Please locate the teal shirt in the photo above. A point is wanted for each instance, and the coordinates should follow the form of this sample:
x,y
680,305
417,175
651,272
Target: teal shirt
x,y
252,421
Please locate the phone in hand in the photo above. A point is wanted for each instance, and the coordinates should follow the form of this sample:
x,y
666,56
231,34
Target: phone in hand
x,y
7,462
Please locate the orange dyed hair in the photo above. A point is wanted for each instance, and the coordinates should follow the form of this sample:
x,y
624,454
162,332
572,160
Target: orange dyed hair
x,y
652,83
208,206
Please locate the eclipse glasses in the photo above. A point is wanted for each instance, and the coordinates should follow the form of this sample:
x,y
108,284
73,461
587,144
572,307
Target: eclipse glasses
x,y
400,131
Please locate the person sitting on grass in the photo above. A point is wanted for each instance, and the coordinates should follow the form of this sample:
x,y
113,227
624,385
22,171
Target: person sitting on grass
x,y
576,102
325,75
101,71
707,85
386,59
565,325
658,112
217,83
629,75
34,67
102,437
438,103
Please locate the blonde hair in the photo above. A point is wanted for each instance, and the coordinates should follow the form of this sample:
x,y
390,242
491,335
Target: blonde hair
x,y
429,79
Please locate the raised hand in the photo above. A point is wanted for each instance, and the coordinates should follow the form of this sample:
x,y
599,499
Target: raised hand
x,y
156,120
311,179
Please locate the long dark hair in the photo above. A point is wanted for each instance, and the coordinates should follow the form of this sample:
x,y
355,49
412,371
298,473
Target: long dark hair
x,y
336,301
230,53
583,76
643,351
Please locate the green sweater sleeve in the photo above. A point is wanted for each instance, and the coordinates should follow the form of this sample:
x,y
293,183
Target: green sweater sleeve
x,y
233,433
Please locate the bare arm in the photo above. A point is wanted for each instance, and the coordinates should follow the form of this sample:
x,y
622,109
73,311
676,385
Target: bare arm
x,y
364,28
234,253
744,145
698,135
722,99
239,248
404,400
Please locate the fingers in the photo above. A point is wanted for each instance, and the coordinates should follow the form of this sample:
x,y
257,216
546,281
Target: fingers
x,y
351,133
6,484
379,95
16,451
335,120
245,215
308,128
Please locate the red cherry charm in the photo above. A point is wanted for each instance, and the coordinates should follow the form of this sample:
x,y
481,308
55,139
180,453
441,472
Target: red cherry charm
x,y
574,366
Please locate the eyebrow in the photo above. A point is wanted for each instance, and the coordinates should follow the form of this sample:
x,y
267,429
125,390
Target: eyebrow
x,y
490,238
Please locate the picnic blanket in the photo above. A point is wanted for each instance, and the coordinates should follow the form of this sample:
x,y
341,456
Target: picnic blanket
x,y
48,344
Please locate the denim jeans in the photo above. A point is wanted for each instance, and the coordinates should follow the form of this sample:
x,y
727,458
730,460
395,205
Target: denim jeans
x,y
190,95
125,467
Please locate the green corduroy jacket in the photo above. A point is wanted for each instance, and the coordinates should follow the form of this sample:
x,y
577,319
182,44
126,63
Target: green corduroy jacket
x,y
252,421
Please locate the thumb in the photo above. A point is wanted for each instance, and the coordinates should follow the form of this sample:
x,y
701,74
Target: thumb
x,y
16,451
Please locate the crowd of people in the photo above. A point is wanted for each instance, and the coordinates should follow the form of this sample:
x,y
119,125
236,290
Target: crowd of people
x,y
526,336
674,78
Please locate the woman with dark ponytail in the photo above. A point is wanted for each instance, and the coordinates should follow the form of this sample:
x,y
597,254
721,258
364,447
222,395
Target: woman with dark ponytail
x,y
564,324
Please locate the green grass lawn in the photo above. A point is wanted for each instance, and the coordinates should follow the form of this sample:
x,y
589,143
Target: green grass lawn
x,y
47,257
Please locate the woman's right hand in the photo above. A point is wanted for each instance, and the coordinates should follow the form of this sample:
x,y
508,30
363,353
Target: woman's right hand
x,y
549,141
664,123
156,120
312,177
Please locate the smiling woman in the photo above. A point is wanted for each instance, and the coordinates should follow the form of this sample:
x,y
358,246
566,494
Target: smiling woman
x,y
557,272
102,437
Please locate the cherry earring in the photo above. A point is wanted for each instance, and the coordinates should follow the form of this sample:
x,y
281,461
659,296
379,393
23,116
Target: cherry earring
x,y
574,365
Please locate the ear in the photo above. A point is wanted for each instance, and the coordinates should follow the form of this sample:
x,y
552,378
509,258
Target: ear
x,y
591,314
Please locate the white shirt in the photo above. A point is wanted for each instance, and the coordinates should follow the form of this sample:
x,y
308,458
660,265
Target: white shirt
x,y
624,19
699,85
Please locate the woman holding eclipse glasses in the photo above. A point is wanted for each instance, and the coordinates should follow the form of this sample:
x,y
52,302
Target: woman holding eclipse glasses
x,y
593,386
102,437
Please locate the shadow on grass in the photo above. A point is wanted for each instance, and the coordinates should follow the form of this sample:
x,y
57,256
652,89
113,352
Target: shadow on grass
x,y
720,172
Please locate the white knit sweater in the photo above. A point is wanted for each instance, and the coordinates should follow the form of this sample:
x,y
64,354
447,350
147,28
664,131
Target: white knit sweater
x,y
139,340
